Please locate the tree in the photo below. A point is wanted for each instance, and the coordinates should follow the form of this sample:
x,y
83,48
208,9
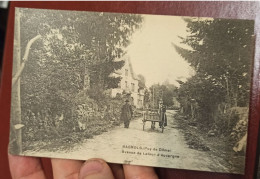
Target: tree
x,y
168,94
147,97
15,145
162,92
75,40
141,81
104,35
202,95
220,52
73,46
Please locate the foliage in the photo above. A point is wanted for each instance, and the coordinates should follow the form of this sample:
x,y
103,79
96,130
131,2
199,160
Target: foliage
x,y
141,81
220,51
146,97
164,92
74,47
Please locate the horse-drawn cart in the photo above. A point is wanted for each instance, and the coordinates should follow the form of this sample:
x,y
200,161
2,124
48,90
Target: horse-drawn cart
x,y
154,115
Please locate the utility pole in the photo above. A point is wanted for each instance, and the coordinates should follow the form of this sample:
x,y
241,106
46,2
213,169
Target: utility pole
x,y
153,98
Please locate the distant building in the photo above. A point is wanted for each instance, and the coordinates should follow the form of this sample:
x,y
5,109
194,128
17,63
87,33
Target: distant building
x,y
128,86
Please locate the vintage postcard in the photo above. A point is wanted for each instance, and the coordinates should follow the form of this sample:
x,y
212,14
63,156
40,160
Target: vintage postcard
x,y
152,90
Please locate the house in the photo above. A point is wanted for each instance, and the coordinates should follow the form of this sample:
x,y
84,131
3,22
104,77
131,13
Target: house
x,y
128,86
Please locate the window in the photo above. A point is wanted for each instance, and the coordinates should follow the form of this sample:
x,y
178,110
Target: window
x,y
126,85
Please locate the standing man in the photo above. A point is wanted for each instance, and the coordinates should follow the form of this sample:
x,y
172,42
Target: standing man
x,y
126,113
162,114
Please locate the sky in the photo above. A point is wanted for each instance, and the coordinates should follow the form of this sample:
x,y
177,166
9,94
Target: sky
x,y
152,53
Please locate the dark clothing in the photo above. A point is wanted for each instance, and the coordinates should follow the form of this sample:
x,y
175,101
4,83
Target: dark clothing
x,y
163,116
126,114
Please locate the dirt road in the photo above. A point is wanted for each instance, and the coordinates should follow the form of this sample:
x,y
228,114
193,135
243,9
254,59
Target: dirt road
x,y
148,147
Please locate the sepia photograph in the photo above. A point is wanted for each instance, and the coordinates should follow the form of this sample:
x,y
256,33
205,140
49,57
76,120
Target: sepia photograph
x,y
150,90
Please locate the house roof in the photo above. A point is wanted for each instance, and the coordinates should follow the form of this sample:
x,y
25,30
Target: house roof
x,y
127,58
131,68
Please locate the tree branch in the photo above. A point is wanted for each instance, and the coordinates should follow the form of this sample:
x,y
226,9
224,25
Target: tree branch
x,y
25,58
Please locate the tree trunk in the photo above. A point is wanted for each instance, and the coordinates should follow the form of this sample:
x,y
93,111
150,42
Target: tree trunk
x,y
16,134
20,68
235,95
228,98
